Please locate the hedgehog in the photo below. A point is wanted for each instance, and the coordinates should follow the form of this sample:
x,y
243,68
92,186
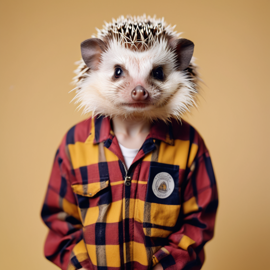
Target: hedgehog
x,y
132,186
137,66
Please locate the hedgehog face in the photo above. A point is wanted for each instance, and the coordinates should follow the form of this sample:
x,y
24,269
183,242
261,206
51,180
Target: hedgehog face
x,y
156,81
137,80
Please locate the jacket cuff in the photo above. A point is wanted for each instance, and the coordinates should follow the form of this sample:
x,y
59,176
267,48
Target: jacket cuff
x,y
163,257
79,256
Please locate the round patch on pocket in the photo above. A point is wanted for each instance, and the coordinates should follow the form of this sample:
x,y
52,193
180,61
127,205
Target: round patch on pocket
x,y
163,185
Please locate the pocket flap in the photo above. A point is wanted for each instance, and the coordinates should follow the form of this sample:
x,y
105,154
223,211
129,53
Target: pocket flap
x,y
90,190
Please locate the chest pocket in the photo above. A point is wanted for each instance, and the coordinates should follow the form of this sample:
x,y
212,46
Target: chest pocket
x,y
162,204
92,198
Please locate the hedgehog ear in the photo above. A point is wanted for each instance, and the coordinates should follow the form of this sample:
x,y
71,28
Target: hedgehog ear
x,y
91,50
184,49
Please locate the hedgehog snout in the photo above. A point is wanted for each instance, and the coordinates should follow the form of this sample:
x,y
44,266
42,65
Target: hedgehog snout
x,y
139,93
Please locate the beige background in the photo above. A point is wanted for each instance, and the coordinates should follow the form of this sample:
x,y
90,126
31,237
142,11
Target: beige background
x,y
39,45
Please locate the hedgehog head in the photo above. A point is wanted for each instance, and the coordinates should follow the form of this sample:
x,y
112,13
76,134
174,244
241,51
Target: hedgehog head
x,y
136,66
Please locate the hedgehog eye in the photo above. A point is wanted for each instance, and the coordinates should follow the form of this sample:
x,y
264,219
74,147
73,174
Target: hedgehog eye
x,y
118,72
158,74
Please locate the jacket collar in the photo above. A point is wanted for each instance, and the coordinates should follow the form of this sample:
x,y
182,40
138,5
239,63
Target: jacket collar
x,y
101,130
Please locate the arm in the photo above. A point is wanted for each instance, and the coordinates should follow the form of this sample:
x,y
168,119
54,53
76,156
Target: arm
x,y
64,245
196,221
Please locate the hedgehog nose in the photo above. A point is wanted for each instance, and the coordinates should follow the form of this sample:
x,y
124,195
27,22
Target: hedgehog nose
x,y
139,93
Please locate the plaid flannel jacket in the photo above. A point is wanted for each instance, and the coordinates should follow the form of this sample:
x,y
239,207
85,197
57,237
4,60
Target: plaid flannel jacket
x,y
102,216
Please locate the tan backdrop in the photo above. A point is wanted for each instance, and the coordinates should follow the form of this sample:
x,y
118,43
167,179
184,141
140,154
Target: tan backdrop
x,y
39,45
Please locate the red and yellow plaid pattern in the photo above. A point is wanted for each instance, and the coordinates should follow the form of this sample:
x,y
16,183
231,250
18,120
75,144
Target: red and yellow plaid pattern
x,y
102,216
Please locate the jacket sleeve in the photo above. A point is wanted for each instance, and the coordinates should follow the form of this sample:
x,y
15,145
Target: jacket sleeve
x,y
196,220
64,245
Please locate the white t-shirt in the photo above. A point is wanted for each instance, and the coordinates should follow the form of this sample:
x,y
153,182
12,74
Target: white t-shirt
x,y
128,154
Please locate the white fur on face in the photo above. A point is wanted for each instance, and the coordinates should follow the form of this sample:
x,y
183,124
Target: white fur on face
x,y
101,94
